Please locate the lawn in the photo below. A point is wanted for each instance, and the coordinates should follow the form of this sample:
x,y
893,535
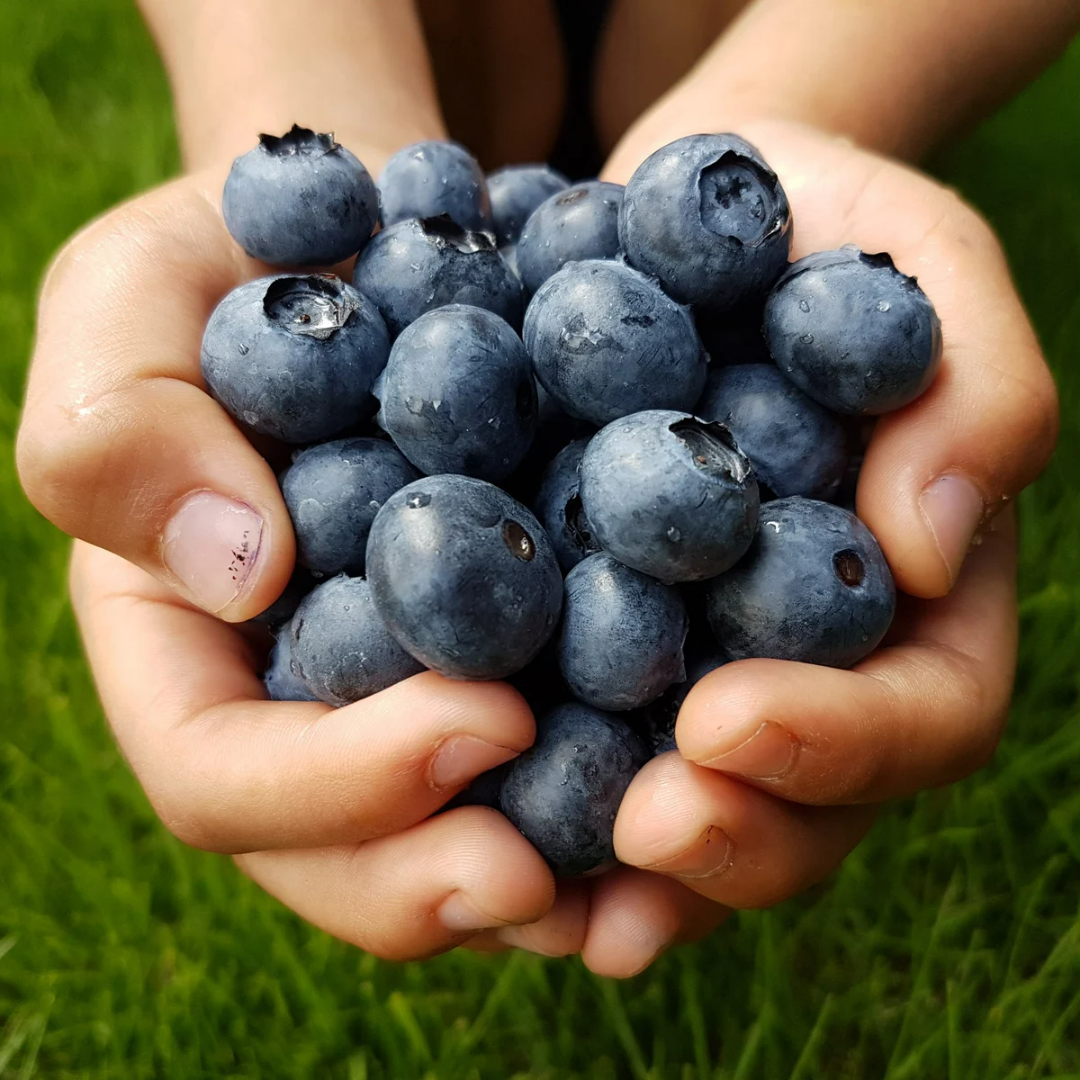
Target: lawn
x,y
947,946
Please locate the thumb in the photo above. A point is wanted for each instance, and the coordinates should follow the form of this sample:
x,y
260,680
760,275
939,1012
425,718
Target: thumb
x,y
119,444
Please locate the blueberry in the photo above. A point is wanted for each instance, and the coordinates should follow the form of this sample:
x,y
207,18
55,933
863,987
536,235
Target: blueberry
x,y
558,507
621,642
516,191
432,178
795,446
281,610
294,357
279,679
813,587
341,648
458,394
333,492
606,342
300,200
581,222
853,331
669,495
464,576
708,217
564,792
415,266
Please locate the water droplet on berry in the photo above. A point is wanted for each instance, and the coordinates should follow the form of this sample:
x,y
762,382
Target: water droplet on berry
x,y
418,501
804,305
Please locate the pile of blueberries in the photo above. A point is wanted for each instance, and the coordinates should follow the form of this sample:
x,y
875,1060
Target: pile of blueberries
x,y
681,408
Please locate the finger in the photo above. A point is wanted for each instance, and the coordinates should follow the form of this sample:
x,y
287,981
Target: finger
x,y
228,770
559,932
729,842
119,444
636,916
937,469
417,893
918,714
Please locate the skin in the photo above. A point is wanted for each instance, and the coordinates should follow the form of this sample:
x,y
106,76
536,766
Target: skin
x,y
326,809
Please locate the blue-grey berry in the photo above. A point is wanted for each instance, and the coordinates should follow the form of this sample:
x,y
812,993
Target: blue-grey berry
x,y
431,178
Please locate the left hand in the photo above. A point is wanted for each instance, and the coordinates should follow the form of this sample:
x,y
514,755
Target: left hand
x,y
782,763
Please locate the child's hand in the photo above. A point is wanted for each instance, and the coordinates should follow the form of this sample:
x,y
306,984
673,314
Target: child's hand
x,y
121,447
781,761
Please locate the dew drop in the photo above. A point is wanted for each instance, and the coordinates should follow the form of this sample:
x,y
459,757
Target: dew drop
x,y
883,305
518,541
674,535
418,501
807,339
804,305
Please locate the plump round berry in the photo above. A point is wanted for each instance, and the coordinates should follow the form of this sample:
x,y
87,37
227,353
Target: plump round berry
x,y
431,178
294,357
669,495
795,446
333,492
418,265
581,222
281,682
341,648
853,331
621,642
708,217
464,577
300,199
559,509
813,587
564,792
606,342
516,191
458,394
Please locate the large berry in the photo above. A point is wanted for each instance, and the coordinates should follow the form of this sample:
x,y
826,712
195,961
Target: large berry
x,y
516,191
294,357
795,446
669,495
605,342
458,394
558,506
464,577
300,200
564,792
621,643
814,587
581,222
340,647
417,265
853,331
431,178
333,492
708,217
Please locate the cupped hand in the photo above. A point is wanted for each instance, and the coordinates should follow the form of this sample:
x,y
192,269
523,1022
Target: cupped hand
x,y
781,763
181,525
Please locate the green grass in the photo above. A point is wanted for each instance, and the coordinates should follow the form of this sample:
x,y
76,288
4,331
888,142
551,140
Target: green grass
x,y
947,946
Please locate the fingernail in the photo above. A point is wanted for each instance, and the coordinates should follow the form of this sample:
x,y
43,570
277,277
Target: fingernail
x,y
457,912
953,509
708,856
211,544
768,752
462,758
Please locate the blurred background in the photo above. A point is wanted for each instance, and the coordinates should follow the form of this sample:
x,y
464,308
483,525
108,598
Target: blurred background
x,y
947,946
